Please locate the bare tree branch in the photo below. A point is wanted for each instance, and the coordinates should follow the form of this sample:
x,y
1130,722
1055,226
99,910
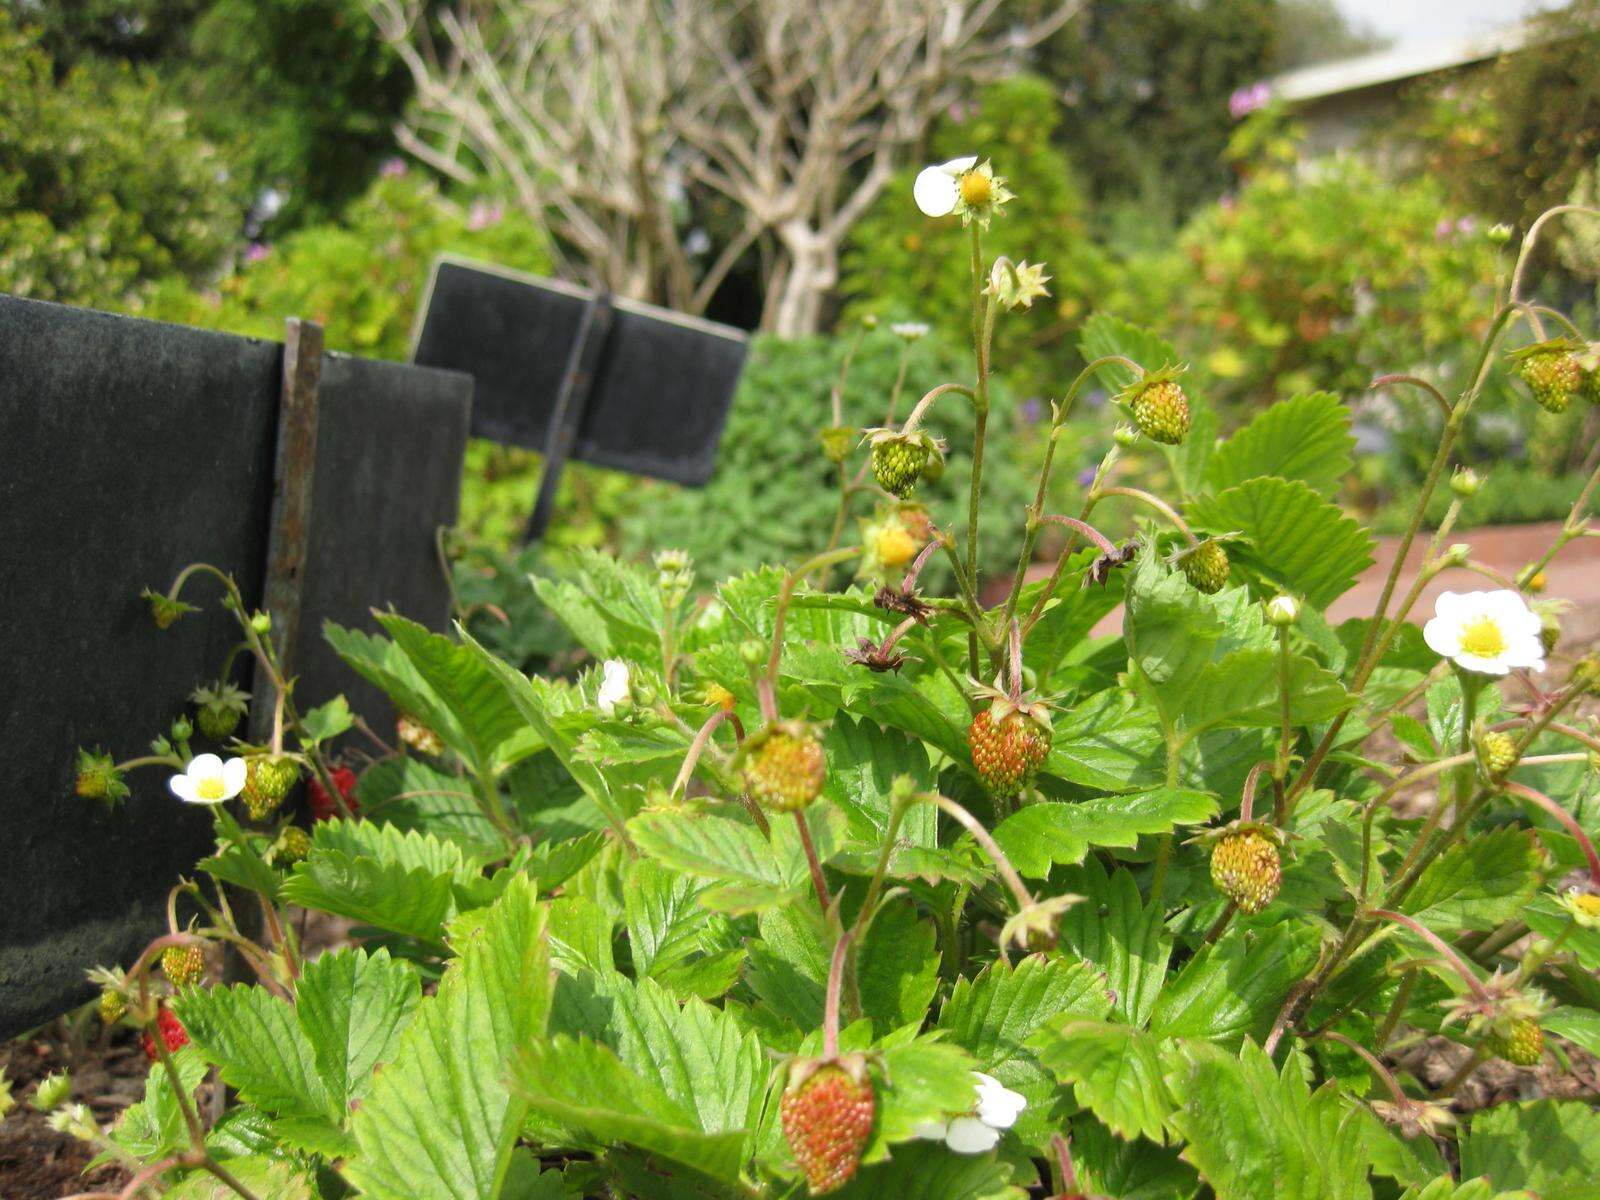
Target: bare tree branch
x,y
619,124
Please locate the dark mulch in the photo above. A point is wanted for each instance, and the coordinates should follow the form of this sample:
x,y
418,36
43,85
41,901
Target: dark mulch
x,y
36,1162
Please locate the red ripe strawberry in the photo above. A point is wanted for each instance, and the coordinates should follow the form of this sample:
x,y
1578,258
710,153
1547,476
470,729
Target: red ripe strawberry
x,y
1009,745
827,1111
323,806
173,1034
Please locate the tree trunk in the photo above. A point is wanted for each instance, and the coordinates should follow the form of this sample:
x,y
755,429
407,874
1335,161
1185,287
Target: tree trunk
x,y
794,306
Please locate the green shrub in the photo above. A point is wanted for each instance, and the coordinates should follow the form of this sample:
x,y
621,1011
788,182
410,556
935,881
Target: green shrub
x,y
105,186
1321,279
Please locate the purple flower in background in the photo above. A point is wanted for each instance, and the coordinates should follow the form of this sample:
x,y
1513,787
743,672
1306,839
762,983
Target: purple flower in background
x,y
1085,477
256,251
392,168
1227,202
1246,100
483,214
1443,229
1467,226
1031,410
1096,397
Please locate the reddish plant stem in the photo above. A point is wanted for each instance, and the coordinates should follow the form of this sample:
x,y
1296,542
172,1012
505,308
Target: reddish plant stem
x,y
1439,944
819,883
830,1009
1568,822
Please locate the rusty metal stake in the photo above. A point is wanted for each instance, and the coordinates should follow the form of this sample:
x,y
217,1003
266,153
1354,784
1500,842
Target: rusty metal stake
x,y
572,404
290,528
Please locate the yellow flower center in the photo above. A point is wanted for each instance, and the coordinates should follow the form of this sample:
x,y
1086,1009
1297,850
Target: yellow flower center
x,y
976,188
1587,903
209,788
1482,638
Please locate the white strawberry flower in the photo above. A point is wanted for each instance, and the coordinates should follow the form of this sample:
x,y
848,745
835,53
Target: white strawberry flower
x,y
1491,633
996,1109
938,187
209,780
613,686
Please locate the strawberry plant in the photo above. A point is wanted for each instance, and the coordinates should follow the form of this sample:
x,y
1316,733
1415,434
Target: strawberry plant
x,y
872,891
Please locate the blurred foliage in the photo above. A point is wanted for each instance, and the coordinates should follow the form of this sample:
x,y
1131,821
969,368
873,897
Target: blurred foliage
x,y
1145,88
774,495
104,185
300,94
361,276
1314,31
304,93
1512,494
1319,279
1511,138
890,264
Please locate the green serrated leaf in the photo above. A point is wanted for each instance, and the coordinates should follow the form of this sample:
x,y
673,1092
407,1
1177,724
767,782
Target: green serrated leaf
x,y
1047,834
1306,437
1256,1134
257,1042
1291,536
352,1006
1549,1147
1115,930
1478,883
1115,1072
1235,987
439,1122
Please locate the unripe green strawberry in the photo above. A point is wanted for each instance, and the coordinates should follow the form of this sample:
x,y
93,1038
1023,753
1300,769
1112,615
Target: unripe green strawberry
x,y
293,844
267,782
836,441
1499,753
1206,567
1008,748
1246,868
1520,1041
827,1112
217,723
183,965
219,706
112,1006
1552,375
897,465
783,766
1161,411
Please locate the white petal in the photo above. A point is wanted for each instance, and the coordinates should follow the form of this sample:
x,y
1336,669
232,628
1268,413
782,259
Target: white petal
x,y
234,773
1483,666
1452,605
959,166
935,192
203,766
183,788
968,1135
1525,652
1443,636
613,685
998,1105
930,1131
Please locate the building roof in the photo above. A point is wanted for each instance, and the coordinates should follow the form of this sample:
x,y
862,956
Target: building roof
x,y
1391,66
